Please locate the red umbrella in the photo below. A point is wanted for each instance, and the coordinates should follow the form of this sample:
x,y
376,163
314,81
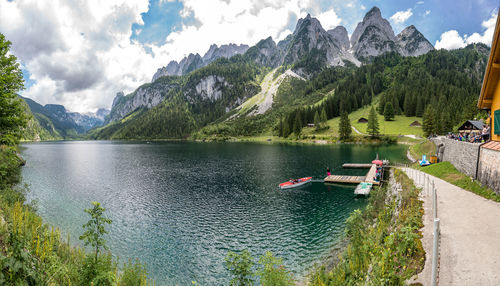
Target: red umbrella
x,y
378,162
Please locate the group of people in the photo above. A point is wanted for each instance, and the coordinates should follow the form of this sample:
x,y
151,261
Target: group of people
x,y
472,137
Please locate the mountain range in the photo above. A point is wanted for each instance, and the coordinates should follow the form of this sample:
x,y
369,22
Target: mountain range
x,y
372,37
237,81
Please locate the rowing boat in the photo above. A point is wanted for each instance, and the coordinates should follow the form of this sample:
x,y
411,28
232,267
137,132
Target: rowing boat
x,y
295,183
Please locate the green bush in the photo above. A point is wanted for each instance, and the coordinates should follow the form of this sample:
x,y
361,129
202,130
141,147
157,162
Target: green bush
x,y
134,274
384,241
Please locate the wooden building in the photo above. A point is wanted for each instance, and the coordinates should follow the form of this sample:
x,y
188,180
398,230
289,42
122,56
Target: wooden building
x,y
489,98
363,120
471,125
488,166
415,124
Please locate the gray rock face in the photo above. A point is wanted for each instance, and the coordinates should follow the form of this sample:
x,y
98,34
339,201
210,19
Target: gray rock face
x,y
146,96
224,51
265,53
340,36
413,43
193,62
118,97
210,87
186,65
283,44
309,35
373,36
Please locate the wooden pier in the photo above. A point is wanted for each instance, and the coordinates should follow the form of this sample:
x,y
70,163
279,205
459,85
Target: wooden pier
x,y
355,179
345,179
356,166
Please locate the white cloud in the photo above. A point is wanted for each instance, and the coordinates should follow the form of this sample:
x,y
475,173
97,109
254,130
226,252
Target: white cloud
x,y
363,7
427,12
79,53
349,5
487,35
452,39
420,2
401,16
329,19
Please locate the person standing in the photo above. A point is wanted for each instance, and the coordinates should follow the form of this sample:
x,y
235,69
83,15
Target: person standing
x,y
328,172
484,132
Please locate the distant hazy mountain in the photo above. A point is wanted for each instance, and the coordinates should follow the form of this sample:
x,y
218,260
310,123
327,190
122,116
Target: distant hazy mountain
x,y
60,123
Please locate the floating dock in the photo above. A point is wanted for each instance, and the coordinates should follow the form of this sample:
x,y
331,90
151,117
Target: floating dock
x,y
345,179
355,179
356,166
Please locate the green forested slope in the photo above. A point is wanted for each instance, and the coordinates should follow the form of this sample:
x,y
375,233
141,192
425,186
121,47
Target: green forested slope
x,y
184,110
447,80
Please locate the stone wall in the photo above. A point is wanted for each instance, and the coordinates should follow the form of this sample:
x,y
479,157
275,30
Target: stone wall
x,y
462,155
489,169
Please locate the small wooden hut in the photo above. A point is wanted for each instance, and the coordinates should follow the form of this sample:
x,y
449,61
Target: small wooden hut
x,y
471,125
363,120
415,124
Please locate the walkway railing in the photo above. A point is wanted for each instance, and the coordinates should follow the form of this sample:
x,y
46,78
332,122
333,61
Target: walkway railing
x,y
422,180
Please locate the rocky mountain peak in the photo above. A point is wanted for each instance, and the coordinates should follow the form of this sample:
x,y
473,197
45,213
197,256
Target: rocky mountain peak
x,y
373,36
195,61
413,43
339,34
373,13
265,53
118,97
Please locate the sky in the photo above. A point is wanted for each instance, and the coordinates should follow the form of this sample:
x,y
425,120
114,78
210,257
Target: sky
x,y
80,53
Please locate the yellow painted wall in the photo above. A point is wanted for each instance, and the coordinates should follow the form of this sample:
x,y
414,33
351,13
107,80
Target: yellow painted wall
x,y
495,105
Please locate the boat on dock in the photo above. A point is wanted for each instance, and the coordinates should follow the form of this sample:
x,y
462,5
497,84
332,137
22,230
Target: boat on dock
x,y
295,183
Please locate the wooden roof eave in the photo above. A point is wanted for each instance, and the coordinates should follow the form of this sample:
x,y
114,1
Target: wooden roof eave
x,y
493,66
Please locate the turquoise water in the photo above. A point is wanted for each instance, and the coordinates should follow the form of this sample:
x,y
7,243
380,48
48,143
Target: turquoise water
x,y
180,206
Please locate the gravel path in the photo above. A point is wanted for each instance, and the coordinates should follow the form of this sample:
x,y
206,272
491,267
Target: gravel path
x,y
357,131
470,235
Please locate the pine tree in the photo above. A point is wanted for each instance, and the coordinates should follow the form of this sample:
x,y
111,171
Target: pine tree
x,y
381,104
420,107
323,117
280,128
297,125
344,127
429,121
317,120
447,119
407,106
372,127
286,129
388,112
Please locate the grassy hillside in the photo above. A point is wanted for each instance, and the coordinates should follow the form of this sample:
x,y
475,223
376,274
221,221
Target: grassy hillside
x,y
399,126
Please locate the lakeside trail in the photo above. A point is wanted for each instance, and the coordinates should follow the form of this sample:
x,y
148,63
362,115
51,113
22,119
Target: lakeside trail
x,y
470,235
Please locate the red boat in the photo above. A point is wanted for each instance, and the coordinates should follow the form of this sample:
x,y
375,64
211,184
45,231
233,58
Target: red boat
x,y
295,183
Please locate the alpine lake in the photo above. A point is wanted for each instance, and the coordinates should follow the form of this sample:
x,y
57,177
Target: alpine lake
x,y
179,207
